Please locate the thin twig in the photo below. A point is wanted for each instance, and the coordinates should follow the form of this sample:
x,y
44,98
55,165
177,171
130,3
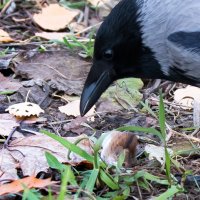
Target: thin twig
x,y
88,28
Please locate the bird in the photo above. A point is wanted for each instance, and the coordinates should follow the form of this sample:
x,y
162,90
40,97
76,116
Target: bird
x,y
153,39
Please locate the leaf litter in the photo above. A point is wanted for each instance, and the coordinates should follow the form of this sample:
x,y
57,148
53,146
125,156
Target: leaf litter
x,y
55,17
34,64
28,154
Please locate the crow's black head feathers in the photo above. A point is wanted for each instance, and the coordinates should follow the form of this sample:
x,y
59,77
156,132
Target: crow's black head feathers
x,y
118,53
121,33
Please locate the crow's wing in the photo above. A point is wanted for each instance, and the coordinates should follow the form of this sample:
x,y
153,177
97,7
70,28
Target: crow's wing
x,y
184,55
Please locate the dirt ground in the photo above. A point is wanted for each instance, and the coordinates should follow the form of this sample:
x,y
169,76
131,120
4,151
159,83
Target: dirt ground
x,y
50,74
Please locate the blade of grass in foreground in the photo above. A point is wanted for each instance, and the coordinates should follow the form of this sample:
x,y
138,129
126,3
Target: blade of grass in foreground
x,y
64,182
53,162
72,147
140,129
92,180
150,177
108,180
162,121
169,193
162,118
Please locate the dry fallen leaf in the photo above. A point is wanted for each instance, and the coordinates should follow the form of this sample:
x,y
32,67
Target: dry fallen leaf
x,y
185,97
6,84
115,143
8,167
61,74
156,152
4,37
28,182
28,154
76,27
25,109
72,109
7,123
54,17
51,35
76,125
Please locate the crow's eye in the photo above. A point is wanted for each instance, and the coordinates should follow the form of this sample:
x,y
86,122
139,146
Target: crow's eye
x,y
108,54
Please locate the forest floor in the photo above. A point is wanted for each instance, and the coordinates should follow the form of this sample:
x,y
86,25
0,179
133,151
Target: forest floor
x,y
54,153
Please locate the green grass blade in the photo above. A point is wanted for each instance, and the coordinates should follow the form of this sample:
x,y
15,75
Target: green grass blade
x,y
7,92
31,194
67,43
97,147
72,147
168,165
53,162
150,177
108,180
92,180
121,160
162,119
64,182
150,111
169,193
140,129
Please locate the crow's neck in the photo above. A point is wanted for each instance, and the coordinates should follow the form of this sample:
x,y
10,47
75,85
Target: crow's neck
x,y
149,67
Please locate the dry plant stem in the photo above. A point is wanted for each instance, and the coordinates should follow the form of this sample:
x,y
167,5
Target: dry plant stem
x,y
86,15
152,89
27,42
80,18
157,85
59,122
5,145
62,75
12,15
183,135
139,191
196,116
23,44
195,132
56,130
61,97
88,28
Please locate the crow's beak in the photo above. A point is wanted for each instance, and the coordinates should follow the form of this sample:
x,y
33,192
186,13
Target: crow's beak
x,y
95,85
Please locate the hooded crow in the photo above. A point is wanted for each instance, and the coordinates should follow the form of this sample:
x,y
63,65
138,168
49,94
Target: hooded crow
x,y
145,39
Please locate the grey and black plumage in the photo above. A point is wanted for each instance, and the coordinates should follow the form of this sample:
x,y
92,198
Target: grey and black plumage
x,y
146,39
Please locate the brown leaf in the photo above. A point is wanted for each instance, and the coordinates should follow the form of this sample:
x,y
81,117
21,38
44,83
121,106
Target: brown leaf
x,y
185,96
4,37
51,35
75,125
6,84
30,152
61,70
28,182
76,27
7,123
55,17
72,108
7,166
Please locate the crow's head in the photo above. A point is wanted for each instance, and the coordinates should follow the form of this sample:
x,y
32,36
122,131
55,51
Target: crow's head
x,y
118,53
